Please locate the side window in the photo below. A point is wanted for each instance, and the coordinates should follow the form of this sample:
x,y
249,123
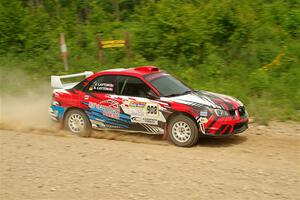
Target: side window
x,y
103,84
131,86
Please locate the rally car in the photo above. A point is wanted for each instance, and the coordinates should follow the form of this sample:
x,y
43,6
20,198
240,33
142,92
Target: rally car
x,y
144,99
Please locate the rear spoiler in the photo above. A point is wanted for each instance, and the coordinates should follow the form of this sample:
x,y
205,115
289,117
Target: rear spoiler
x,y
56,80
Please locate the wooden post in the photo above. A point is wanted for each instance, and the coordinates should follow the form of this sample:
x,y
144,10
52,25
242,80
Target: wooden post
x,y
116,7
64,53
100,50
128,49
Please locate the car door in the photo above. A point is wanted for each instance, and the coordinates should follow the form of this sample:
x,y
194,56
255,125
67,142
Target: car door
x,y
101,106
144,113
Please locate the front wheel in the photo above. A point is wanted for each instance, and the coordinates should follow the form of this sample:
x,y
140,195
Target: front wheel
x,y
183,131
77,122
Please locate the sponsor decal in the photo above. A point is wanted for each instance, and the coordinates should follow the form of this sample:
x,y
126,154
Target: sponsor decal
x,y
151,121
142,109
112,126
108,108
137,113
136,108
102,87
202,120
143,120
137,104
203,113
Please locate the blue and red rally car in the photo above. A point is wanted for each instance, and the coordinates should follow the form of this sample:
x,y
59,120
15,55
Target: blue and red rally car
x,y
144,99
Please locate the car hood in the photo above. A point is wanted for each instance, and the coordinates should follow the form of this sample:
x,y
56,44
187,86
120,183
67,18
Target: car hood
x,y
204,98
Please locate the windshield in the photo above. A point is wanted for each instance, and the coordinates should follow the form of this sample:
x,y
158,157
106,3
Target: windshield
x,y
167,85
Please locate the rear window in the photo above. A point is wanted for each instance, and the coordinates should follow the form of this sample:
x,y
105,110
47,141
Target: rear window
x,y
103,84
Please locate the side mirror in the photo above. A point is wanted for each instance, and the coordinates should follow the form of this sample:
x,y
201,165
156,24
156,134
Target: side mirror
x,y
151,95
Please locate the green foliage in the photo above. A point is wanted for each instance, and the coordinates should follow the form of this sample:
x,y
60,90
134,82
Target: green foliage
x,y
249,49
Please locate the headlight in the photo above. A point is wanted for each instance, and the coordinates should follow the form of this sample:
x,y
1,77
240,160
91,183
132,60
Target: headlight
x,y
221,113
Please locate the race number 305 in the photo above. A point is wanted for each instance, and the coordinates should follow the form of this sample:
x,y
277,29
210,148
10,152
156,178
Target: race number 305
x,y
152,110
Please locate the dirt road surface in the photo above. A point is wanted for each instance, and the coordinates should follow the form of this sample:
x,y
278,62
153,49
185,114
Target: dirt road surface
x,y
264,163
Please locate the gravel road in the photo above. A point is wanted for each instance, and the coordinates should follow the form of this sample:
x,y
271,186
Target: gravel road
x,y
263,163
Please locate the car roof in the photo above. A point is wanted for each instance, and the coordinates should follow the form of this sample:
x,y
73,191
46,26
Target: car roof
x,y
139,71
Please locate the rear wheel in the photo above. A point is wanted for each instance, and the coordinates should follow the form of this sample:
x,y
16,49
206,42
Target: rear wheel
x,y
183,131
77,122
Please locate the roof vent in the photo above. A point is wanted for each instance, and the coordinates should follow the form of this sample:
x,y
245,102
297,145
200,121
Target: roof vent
x,y
147,69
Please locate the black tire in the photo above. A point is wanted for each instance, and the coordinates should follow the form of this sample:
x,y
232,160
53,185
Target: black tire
x,y
187,137
85,124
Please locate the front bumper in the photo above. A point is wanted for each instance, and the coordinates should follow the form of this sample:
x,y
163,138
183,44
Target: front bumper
x,y
229,125
240,127
227,128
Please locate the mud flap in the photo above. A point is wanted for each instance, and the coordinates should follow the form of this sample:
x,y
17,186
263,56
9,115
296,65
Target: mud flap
x,y
166,134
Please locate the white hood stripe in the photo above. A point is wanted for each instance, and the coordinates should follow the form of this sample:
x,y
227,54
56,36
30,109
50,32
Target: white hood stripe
x,y
192,99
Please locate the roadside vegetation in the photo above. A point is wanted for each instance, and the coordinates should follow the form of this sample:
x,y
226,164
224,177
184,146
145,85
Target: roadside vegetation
x,y
248,49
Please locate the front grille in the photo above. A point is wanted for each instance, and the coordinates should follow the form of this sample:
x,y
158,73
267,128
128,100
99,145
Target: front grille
x,y
241,110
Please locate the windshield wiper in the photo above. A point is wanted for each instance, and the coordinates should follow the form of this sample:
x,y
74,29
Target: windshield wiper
x,y
173,95
187,92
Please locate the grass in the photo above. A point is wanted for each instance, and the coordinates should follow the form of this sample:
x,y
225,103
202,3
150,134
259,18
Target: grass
x,y
263,99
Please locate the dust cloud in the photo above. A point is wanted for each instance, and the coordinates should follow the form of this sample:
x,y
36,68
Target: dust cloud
x,y
27,111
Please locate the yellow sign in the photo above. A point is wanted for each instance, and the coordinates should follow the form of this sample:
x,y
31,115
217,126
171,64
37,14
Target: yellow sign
x,y
113,43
